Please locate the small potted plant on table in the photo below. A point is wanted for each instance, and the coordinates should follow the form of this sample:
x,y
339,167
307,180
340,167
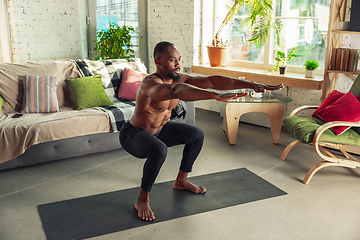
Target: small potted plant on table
x,y
310,66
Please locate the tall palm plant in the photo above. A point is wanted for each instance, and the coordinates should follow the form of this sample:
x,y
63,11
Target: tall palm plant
x,y
260,21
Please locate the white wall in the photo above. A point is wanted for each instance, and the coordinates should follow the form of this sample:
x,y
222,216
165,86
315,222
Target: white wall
x,y
172,21
47,29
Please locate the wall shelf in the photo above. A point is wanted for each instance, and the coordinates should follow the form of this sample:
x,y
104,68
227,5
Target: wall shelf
x,y
346,32
334,40
344,72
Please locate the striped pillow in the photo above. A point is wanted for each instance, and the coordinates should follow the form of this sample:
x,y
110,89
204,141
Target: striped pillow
x,y
40,94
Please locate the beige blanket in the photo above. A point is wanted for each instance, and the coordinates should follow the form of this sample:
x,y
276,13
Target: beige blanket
x,y
18,134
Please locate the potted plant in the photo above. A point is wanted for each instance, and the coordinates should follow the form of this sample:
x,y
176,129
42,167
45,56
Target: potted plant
x,y
259,20
310,66
114,42
282,59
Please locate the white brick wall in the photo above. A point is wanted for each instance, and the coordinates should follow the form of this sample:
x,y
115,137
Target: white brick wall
x,y
47,29
173,21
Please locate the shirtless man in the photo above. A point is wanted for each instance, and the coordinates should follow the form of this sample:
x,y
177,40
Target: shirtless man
x,y
148,134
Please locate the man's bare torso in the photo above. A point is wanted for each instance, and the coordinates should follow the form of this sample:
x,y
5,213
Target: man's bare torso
x,y
151,115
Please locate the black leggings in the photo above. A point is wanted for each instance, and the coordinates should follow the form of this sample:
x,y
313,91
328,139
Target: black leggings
x,y
142,144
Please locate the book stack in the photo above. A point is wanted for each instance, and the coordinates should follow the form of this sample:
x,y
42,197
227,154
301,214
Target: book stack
x,y
344,59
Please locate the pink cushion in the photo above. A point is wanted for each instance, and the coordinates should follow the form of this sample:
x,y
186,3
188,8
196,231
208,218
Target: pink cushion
x,y
332,97
346,108
130,83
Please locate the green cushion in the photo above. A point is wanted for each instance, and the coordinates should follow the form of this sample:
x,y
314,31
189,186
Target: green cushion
x,y
303,128
355,88
88,92
1,103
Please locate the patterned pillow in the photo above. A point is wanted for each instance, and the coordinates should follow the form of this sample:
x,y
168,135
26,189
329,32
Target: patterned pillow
x,y
110,71
108,68
40,94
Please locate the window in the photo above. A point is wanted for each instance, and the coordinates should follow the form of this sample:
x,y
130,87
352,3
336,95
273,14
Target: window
x,y
120,12
5,46
304,24
129,12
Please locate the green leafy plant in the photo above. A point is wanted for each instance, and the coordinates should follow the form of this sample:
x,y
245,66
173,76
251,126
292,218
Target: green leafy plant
x,y
311,64
260,21
114,42
282,58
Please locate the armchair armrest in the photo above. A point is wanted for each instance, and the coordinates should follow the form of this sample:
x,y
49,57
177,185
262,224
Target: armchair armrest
x,y
322,129
302,108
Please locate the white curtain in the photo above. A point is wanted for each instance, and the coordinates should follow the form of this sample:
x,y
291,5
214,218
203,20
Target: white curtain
x,y
5,45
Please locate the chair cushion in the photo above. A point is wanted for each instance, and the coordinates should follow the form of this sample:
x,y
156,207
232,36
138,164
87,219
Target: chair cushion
x,y
303,128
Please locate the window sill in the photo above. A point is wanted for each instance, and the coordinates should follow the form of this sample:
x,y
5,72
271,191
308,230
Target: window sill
x,y
261,75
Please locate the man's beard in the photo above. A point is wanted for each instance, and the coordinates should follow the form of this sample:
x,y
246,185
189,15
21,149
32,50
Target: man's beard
x,y
175,76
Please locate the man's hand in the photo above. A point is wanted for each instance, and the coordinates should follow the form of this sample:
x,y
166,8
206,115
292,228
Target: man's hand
x,y
224,97
260,87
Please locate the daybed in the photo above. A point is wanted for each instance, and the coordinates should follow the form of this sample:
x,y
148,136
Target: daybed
x,y
57,127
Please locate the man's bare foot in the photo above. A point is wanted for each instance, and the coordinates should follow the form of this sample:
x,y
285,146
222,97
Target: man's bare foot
x,y
186,185
144,211
143,207
182,183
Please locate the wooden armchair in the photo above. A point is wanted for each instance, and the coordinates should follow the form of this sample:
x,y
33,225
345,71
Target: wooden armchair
x,y
324,141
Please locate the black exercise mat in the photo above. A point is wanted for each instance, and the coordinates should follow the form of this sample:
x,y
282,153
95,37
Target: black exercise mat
x,y
114,211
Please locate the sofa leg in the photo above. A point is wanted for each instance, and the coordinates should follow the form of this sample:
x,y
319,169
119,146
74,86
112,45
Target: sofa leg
x,y
288,148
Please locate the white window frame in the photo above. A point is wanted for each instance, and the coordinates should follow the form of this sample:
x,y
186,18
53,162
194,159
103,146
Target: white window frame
x,y
5,43
142,21
268,47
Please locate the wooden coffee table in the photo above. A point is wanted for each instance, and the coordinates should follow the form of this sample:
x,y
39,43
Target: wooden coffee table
x,y
270,104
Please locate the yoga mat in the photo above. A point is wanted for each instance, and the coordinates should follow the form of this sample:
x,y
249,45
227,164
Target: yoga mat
x,y
114,211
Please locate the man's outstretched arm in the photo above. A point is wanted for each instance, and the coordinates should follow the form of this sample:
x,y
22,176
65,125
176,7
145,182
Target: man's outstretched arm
x,y
228,83
183,91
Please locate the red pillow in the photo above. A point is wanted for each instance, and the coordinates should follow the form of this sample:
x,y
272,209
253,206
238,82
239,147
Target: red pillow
x,y
332,97
346,108
130,83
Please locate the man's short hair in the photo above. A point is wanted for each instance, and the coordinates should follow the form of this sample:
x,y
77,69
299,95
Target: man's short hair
x,y
160,47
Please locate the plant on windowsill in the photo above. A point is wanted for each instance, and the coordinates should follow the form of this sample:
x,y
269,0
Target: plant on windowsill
x,y
114,42
310,66
282,59
259,20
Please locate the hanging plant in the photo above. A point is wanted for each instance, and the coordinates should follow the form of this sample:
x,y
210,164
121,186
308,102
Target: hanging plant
x,y
260,21
114,42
